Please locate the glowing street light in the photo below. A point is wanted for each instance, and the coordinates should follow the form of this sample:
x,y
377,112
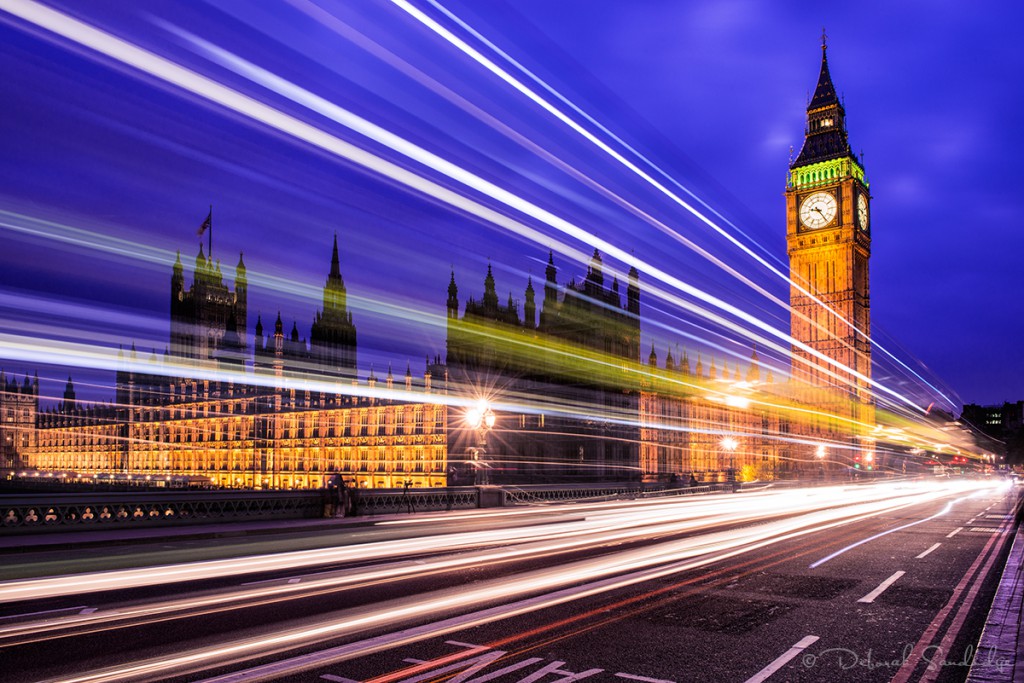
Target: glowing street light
x,y
729,445
820,451
480,415
481,419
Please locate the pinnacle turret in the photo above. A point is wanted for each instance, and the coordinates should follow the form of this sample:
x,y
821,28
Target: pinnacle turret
x,y
332,338
453,297
335,262
754,373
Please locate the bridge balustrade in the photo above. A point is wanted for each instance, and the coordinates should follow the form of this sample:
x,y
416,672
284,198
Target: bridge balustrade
x,y
46,511
41,512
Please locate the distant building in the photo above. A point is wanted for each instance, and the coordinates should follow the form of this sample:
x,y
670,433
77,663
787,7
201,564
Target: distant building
x,y
995,420
561,381
19,404
571,403
716,423
254,429
828,233
332,339
1004,424
208,318
723,420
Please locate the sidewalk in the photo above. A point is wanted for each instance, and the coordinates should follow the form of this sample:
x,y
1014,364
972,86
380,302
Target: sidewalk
x,y
1000,654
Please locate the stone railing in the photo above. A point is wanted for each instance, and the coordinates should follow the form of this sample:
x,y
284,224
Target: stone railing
x,y
46,511
41,512
541,494
388,501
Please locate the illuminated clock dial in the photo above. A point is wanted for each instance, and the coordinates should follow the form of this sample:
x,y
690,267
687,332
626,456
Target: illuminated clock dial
x,y
862,211
818,210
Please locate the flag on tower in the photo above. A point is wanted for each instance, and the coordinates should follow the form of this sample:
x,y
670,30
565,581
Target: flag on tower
x,y
206,224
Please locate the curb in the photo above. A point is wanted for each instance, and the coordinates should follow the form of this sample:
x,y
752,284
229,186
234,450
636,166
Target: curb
x,y
999,657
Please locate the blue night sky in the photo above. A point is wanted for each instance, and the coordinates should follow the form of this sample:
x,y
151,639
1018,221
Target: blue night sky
x,y
108,171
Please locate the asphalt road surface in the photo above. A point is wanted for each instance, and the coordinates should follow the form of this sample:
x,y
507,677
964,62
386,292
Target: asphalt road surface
x,y
872,582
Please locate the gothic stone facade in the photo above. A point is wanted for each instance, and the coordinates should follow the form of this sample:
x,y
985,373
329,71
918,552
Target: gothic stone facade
x,y
255,429
19,404
567,404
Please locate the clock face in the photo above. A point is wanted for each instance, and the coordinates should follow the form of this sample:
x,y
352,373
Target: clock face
x,y
818,210
862,211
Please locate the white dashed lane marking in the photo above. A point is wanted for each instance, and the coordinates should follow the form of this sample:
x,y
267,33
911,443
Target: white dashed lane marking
x,y
783,659
870,597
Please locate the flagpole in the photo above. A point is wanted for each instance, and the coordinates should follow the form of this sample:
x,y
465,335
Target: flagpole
x,y
207,225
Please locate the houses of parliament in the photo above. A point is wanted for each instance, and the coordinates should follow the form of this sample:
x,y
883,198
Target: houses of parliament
x,y
574,396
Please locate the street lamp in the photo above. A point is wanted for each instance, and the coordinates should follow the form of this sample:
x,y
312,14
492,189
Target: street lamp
x,y
480,419
730,445
820,452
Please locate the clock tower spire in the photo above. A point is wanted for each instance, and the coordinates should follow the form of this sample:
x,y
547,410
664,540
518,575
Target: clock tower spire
x,y
828,236
825,136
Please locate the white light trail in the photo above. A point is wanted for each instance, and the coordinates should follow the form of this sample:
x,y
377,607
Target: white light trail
x,y
191,81
542,152
603,524
474,54
550,586
416,153
944,511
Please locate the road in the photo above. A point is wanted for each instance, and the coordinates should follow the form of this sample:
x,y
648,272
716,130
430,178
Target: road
x,y
874,582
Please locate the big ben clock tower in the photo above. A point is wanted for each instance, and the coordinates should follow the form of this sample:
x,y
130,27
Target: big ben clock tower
x,y
828,234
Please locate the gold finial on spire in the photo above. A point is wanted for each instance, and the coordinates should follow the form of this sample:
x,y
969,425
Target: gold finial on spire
x,y
824,39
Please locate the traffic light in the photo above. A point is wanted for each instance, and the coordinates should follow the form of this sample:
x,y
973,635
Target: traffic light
x,y
856,462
